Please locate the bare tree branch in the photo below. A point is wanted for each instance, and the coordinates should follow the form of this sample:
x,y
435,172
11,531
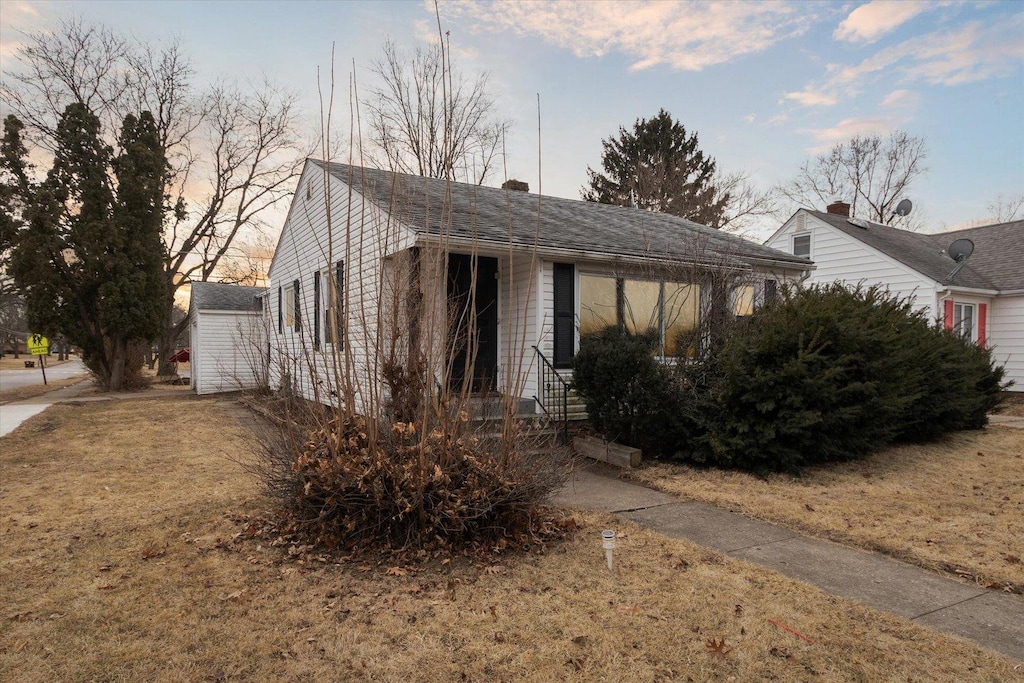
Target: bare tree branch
x,y
428,120
1006,208
870,173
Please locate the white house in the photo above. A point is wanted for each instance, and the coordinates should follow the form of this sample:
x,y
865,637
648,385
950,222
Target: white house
x,y
520,274
982,298
228,337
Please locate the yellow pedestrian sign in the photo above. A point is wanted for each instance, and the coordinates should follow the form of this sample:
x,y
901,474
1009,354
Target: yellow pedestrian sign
x,y
38,345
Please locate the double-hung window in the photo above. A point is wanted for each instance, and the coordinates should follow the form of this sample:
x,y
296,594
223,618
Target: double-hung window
x,y
964,316
802,246
290,309
333,300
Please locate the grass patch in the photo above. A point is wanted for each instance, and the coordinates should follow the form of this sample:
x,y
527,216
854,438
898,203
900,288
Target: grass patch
x,y
123,559
955,506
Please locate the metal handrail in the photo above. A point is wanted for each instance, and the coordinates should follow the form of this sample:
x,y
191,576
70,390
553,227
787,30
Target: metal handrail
x,y
549,375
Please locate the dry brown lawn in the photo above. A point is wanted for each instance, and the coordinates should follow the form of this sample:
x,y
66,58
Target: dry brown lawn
x,y
119,562
955,506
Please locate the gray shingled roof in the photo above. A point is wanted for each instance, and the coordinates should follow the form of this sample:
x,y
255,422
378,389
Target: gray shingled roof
x,y
219,296
997,261
503,216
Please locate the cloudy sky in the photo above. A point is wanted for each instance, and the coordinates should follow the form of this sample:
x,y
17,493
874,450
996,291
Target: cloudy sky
x,y
764,84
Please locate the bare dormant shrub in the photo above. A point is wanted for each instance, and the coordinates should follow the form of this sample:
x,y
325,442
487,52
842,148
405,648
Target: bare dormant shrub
x,y
386,452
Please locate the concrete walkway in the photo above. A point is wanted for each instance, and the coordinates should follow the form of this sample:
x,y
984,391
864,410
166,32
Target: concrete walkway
x,y
1007,421
13,414
992,619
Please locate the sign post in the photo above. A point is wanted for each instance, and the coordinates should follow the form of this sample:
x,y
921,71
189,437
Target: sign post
x,y
38,345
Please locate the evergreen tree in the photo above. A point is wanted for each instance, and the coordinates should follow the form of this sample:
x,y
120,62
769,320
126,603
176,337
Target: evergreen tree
x,y
659,167
89,254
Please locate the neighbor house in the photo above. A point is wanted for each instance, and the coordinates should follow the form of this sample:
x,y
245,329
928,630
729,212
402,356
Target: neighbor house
x,y
228,335
982,297
402,262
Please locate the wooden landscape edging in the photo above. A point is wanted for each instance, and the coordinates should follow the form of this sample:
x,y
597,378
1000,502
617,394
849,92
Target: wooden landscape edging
x,y
607,451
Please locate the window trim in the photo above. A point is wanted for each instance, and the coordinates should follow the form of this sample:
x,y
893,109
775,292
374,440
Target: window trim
x,y
620,302
802,235
288,309
958,320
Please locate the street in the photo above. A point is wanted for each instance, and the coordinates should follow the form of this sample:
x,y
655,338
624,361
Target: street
x,y
15,379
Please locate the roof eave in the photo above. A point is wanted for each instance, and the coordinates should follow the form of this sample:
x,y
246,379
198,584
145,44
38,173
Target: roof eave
x,y
491,246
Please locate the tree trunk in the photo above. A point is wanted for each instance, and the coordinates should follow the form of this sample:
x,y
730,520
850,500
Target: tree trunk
x,y
118,350
164,351
150,359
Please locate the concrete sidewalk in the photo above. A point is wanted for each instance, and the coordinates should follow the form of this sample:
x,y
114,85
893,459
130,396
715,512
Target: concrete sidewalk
x,y
992,619
13,414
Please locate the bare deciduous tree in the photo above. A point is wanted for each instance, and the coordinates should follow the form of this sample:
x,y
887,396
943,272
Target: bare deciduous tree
x,y
1006,208
428,119
746,203
233,151
871,173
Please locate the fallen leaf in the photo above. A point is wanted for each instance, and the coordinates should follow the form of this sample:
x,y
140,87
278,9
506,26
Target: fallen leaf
x,y
629,609
576,663
738,610
718,647
1011,559
494,569
396,571
581,640
809,507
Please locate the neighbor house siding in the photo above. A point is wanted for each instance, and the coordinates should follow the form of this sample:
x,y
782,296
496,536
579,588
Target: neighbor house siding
x,y
1006,336
362,237
227,351
839,257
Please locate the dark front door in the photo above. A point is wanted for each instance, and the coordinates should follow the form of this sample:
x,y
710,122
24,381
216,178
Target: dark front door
x,y
473,311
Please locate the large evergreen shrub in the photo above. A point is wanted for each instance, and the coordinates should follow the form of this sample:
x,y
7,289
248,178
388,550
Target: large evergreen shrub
x,y
832,373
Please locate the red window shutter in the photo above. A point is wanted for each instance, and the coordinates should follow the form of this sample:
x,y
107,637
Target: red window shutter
x,y
947,314
982,314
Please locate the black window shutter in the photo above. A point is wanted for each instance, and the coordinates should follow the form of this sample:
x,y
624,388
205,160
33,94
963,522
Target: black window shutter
x,y
564,281
339,301
280,311
771,291
316,310
298,308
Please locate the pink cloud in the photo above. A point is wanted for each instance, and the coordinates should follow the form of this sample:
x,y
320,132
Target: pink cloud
x,y
873,20
683,35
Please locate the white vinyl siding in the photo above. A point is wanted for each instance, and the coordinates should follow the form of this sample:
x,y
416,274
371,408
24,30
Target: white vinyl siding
x,y
361,238
839,257
1005,332
228,351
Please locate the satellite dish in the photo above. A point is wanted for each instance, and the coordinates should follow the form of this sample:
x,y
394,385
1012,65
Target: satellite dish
x,y
960,250
904,207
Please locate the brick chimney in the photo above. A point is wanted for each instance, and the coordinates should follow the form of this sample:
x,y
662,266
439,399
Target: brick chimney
x,y
517,185
839,208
